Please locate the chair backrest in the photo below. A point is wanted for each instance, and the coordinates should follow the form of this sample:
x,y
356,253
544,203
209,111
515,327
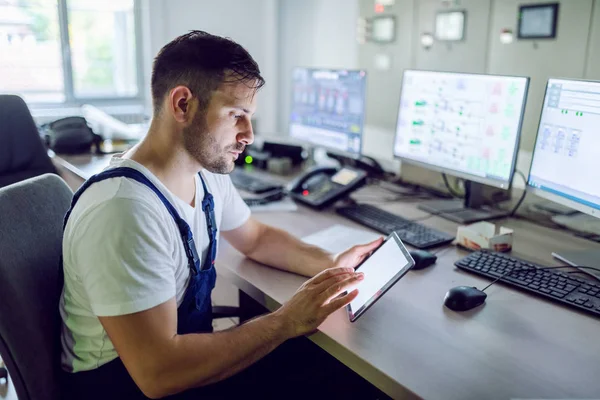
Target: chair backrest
x,y
31,280
22,152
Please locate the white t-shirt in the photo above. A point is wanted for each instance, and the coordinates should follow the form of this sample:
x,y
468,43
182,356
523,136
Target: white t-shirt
x,y
122,253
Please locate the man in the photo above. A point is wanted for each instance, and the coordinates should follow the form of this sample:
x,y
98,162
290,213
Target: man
x,y
141,239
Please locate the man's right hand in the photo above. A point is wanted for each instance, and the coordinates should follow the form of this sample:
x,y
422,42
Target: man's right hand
x,y
317,298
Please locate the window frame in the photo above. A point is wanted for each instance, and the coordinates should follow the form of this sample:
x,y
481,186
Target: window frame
x,y
69,90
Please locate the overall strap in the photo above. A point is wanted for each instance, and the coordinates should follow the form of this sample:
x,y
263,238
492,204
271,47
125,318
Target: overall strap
x,y
208,206
131,173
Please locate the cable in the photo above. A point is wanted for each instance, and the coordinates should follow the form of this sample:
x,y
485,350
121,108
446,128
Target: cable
x,y
582,267
580,270
514,210
450,189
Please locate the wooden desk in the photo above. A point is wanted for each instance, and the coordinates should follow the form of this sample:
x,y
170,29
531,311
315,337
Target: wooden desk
x,y
410,346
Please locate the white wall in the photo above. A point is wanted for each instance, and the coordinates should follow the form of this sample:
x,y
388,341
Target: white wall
x,y
313,33
335,34
252,23
592,70
153,38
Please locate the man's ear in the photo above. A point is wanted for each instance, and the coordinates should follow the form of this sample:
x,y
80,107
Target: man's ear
x,y
182,104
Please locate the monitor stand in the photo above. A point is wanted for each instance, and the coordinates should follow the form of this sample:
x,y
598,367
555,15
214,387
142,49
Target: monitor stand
x,y
582,258
469,210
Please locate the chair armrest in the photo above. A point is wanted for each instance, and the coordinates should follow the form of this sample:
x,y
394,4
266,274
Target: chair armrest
x,y
225,312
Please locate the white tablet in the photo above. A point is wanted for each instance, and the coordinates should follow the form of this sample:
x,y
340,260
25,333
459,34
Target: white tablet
x,y
382,269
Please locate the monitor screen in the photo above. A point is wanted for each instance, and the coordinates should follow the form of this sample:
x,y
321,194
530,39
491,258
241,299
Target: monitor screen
x,y
566,161
467,125
328,108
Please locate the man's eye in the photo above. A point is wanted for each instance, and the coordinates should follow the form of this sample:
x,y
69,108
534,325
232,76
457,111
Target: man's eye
x,y
237,116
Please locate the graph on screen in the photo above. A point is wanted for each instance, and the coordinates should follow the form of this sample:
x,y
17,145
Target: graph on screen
x,y
461,122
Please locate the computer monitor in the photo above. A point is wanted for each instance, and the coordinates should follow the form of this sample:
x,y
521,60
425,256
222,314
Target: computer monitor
x,y
328,108
565,167
466,125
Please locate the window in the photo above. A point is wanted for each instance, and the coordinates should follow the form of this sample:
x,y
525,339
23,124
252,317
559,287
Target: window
x,y
30,52
54,51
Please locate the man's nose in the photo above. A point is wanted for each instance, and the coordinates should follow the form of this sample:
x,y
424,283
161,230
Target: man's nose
x,y
246,134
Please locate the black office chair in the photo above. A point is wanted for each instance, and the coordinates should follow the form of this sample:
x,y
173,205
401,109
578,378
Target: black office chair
x,y
31,282
22,152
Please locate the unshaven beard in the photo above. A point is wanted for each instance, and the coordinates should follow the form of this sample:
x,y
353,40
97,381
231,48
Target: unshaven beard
x,y
203,147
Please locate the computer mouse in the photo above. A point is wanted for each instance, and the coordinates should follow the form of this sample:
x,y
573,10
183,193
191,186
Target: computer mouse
x,y
423,259
463,298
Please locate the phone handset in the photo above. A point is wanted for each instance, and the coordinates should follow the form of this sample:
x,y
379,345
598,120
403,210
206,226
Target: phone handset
x,y
323,186
297,184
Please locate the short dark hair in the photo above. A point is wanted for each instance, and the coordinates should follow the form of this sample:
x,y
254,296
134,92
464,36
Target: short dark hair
x,y
201,62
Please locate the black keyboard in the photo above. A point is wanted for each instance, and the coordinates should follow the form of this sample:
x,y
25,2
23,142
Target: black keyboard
x,y
551,284
250,183
415,234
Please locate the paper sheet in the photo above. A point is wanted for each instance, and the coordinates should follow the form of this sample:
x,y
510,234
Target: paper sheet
x,y
338,238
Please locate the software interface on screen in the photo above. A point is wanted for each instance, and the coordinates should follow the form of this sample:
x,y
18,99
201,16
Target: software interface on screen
x,y
566,158
461,122
328,108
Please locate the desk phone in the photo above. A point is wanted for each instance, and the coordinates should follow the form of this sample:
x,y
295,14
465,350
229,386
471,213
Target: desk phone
x,y
323,186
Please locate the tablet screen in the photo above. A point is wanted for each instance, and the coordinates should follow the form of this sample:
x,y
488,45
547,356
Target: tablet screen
x,y
382,269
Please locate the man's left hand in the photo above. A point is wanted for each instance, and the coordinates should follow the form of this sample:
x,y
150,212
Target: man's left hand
x,y
356,254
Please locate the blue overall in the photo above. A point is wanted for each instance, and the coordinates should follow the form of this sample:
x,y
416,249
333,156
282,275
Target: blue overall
x,y
194,315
